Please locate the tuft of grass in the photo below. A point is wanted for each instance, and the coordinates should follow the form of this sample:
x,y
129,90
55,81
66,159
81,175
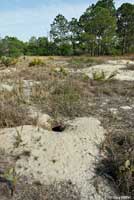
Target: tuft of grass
x,y
99,75
102,76
36,62
117,164
18,139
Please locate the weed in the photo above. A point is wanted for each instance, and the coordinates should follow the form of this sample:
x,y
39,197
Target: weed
x,y
18,139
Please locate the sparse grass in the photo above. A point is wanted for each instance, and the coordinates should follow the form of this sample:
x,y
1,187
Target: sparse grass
x,y
81,62
57,191
66,98
13,112
118,163
69,95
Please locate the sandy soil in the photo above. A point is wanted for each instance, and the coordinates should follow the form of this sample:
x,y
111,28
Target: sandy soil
x,y
119,66
48,156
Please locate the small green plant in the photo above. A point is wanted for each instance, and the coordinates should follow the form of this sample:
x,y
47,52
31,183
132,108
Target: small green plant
x,y
63,71
18,139
36,62
60,71
101,76
9,177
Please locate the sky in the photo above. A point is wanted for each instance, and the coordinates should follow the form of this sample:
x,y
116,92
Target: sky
x,y
26,18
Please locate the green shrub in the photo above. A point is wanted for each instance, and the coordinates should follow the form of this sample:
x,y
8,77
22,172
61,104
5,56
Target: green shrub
x,y
101,76
8,61
36,62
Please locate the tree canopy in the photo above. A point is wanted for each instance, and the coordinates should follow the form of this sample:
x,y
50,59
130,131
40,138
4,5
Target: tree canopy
x,y
101,30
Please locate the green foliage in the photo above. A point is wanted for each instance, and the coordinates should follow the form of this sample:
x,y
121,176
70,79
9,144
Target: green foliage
x,y
108,4
125,27
99,30
11,47
37,46
59,29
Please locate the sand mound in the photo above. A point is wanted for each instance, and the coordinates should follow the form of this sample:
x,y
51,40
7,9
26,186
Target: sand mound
x,y
49,156
118,66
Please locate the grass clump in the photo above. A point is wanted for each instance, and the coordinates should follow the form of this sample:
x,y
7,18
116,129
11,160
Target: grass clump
x,y
65,100
102,76
8,61
36,62
117,165
12,111
61,98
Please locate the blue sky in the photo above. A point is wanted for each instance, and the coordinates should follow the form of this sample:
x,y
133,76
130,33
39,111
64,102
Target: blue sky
x,y
25,18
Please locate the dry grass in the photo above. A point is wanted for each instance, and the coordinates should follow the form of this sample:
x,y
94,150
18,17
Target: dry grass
x,y
118,163
13,111
65,95
61,98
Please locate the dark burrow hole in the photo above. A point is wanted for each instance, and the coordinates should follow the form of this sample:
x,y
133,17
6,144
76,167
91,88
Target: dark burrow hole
x,y
58,128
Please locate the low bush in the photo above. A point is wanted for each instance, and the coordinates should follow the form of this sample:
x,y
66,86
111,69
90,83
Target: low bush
x,y
8,61
36,62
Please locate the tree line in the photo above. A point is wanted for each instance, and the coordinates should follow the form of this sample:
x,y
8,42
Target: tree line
x,y
101,30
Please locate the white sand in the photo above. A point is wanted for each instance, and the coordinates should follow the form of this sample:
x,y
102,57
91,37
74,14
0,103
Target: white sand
x,y
69,155
119,66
